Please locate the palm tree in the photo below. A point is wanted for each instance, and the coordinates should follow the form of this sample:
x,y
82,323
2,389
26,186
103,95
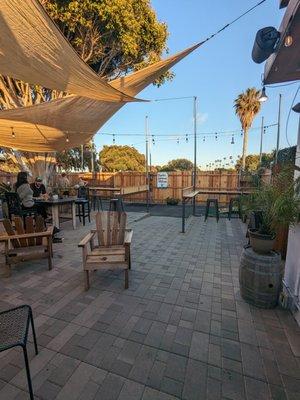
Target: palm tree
x,y
247,106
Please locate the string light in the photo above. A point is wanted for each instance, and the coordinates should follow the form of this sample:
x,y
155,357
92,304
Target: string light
x,y
219,133
242,132
153,141
67,139
216,135
177,140
13,132
114,139
186,138
232,139
288,40
204,139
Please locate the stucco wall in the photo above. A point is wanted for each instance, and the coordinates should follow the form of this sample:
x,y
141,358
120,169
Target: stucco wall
x,y
292,266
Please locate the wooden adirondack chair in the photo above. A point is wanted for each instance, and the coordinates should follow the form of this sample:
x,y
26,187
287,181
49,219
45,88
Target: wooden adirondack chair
x,y
113,248
29,242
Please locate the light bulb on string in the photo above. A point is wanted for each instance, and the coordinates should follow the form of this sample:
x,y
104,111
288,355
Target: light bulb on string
x,y
114,139
288,40
67,138
186,138
216,136
204,139
232,139
13,132
177,140
153,141
242,132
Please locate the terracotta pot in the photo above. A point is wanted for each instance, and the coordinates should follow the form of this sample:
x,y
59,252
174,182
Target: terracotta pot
x,y
261,244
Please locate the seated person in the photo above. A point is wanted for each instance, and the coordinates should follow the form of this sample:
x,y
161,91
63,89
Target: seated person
x,y
38,188
26,195
81,182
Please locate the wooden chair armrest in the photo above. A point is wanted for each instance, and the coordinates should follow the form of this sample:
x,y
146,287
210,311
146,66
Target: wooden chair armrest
x,y
46,233
86,240
50,230
128,236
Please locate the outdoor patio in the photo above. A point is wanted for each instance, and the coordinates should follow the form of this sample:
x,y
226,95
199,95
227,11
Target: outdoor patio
x,y
181,330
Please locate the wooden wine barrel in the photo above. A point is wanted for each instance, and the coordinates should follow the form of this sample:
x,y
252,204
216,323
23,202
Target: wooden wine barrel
x,y
260,278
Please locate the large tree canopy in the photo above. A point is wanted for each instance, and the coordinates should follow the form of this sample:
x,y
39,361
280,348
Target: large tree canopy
x,y
252,161
114,36
78,158
180,164
121,158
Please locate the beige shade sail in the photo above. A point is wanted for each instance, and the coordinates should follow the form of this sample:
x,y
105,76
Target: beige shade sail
x,y
34,50
71,121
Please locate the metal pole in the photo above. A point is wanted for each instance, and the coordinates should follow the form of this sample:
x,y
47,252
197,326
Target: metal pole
x,y
195,153
147,159
82,164
261,139
183,216
278,129
92,157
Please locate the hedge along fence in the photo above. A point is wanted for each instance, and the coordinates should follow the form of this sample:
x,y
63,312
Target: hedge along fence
x,y
177,181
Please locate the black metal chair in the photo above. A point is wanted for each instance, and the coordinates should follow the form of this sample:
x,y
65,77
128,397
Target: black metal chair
x,y
14,326
116,204
83,204
14,206
215,203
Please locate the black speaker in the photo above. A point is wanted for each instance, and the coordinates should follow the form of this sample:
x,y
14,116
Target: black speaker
x,y
265,43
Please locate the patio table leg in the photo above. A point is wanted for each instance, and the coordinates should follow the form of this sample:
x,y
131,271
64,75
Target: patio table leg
x,y
55,215
183,216
74,214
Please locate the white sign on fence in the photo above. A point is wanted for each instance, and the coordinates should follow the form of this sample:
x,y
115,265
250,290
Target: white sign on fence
x,y
162,180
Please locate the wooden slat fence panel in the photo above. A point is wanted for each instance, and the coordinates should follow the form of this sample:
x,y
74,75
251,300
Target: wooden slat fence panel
x,y
177,181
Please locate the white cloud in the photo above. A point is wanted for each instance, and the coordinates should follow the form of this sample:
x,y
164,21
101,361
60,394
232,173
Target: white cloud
x,y
202,118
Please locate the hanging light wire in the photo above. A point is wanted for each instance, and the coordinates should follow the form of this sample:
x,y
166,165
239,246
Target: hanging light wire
x,y
184,135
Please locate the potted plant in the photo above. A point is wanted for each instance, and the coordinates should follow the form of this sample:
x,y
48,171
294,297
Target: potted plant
x,y
274,206
171,201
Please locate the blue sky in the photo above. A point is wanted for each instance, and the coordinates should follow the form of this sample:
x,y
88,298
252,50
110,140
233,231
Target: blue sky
x,y
216,73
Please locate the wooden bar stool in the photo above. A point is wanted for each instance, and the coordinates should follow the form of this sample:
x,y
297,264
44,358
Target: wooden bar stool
x,y
215,203
96,201
116,204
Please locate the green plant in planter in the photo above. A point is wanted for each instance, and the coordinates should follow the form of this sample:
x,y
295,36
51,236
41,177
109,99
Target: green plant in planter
x,y
276,205
171,201
4,188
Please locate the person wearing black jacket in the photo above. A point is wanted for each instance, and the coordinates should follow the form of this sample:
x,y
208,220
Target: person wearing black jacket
x,y
38,187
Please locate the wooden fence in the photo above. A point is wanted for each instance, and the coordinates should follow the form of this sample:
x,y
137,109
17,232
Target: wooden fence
x,y
176,182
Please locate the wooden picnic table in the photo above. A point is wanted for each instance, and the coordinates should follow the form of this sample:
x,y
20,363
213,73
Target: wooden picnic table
x,y
55,205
